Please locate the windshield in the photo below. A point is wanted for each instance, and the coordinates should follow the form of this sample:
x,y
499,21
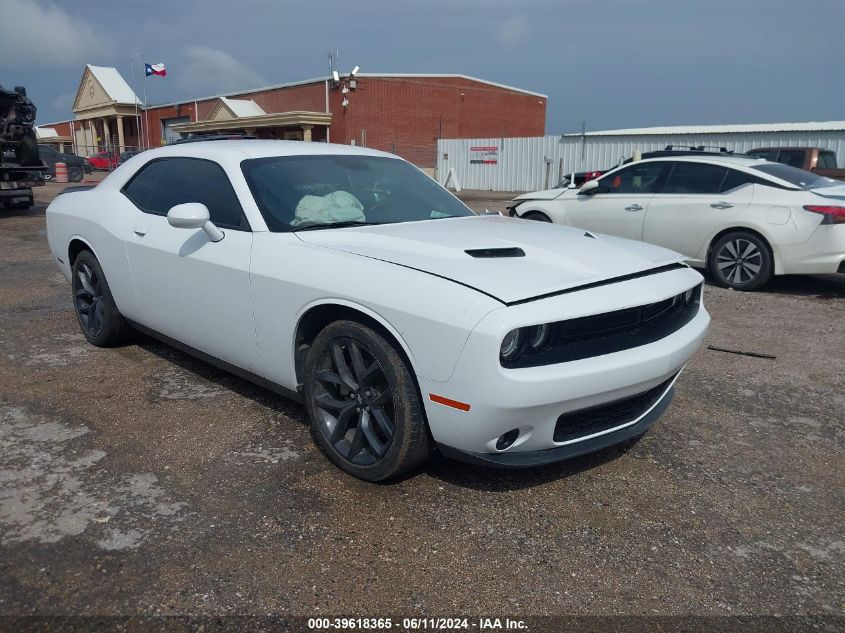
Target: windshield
x,y
795,176
301,192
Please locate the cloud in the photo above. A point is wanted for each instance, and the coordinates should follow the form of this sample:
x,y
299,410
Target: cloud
x,y
209,69
63,101
512,31
36,34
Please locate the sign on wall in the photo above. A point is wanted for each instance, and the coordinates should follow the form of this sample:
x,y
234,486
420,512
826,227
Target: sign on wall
x,y
484,155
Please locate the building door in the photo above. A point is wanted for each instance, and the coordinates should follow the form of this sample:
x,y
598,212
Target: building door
x,y
167,133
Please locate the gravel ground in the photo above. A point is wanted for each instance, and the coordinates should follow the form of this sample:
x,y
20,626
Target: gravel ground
x,y
141,481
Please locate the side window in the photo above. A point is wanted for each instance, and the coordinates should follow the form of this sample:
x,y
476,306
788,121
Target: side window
x,y
736,179
694,178
640,178
792,157
163,184
826,160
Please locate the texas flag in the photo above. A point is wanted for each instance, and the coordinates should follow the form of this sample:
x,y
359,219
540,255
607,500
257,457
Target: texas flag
x,y
155,69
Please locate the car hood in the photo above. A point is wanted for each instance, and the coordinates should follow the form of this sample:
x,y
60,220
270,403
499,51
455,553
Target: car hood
x,y
556,258
548,194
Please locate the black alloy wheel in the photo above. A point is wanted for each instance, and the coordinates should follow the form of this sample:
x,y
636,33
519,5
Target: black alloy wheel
x,y
363,403
89,301
98,316
355,402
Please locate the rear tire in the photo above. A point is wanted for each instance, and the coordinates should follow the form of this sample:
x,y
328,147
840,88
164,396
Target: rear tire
x,y
741,260
537,216
75,173
362,399
98,316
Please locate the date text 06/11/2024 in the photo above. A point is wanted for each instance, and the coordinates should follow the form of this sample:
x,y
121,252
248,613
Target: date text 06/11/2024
x,y
416,624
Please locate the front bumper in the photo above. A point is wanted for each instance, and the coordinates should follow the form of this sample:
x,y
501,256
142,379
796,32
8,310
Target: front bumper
x,y
530,459
533,399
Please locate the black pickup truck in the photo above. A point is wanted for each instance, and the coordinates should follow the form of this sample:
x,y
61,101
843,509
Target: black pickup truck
x,y
77,166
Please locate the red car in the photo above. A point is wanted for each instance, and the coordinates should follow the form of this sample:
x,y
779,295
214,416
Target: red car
x,y
104,160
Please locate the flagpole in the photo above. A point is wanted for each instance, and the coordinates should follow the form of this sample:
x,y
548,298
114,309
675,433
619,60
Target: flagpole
x,y
135,94
146,114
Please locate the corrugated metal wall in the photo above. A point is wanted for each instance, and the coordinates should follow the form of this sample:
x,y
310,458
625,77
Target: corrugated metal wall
x,y
528,164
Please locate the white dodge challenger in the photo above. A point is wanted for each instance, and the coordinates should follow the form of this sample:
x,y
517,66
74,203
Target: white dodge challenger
x,y
348,279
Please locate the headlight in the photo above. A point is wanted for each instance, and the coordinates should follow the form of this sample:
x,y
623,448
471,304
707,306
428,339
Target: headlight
x,y
691,295
538,336
512,345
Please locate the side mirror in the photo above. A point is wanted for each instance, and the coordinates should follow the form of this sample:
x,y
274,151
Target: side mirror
x,y
194,215
589,188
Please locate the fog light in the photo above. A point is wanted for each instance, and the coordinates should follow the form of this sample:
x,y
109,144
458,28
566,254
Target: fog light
x,y
507,439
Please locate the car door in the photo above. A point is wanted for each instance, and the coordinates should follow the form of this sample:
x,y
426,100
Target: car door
x,y
695,201
619,204
190,288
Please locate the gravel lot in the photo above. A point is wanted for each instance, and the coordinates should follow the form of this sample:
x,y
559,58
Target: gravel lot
x,y
141,481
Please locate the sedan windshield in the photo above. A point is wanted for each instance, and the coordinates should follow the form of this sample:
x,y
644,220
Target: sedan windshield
x,y
312,192
795,176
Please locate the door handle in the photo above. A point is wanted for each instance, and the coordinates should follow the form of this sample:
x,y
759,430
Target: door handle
x,y
140,230
634,207
721,205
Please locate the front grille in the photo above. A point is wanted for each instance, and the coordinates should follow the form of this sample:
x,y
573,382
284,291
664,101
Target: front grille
x,y
586,422
610,332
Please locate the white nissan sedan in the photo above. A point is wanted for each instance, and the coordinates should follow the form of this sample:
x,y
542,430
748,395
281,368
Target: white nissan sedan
x,y
744,218
348,279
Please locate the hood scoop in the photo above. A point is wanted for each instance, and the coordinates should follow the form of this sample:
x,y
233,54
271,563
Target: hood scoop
x,y
488,253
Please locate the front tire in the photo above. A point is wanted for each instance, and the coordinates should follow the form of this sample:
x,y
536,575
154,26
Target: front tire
x,y
741,260
98,316
365,411
537,216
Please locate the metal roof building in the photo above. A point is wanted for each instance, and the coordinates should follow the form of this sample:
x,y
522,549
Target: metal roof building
x,y
530,163
603,149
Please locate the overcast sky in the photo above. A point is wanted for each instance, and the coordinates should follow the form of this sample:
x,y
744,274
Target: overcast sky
x,y
611,63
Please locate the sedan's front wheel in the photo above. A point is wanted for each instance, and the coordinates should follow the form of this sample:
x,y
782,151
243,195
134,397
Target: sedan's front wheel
x,y
536,216
362,399
741,260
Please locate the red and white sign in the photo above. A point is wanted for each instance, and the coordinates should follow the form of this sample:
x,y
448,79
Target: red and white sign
x,y
484,155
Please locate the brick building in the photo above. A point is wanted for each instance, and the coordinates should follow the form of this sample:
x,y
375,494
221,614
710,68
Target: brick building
x,y
400,113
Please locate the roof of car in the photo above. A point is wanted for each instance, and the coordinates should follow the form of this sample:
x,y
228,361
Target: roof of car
x,y
260,148
737,161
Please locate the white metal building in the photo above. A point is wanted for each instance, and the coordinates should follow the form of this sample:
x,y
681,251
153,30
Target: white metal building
x,y
526,164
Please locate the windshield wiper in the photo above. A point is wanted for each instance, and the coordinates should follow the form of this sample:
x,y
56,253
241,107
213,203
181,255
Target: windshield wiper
x,y
337,225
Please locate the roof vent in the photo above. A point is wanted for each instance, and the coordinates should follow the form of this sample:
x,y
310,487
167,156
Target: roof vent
x,y
495,252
